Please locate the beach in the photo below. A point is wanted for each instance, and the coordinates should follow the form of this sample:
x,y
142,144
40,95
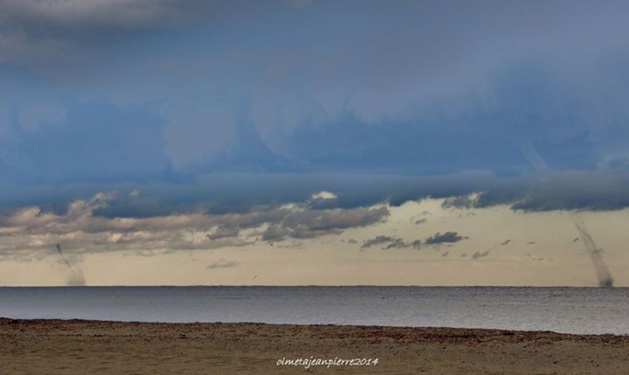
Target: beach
x,y
97,347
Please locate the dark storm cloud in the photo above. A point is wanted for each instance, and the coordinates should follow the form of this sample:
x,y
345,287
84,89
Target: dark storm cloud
x,y
534,123
70,35
265,87
78,14
577,190
95,143
568,190
98,19
526,105
259,198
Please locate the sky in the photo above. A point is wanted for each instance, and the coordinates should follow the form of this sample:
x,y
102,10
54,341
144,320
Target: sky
x,y
312,142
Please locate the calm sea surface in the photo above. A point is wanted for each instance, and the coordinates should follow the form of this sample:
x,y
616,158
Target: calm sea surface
x,y
569,310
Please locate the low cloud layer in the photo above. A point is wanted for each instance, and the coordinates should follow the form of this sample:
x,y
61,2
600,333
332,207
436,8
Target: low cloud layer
x,y
32,231
234,211
265,198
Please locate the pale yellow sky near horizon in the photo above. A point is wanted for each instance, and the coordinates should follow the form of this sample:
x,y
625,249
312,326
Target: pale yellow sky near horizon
x,y
501,247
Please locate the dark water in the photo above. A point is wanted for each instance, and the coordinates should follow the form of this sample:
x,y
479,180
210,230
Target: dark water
x,y
570,310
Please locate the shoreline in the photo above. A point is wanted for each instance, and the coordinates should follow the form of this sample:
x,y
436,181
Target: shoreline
x,y
480,331
81,346
323,286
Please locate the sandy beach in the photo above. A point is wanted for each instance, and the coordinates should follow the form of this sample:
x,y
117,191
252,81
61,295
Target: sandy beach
x,y
95,347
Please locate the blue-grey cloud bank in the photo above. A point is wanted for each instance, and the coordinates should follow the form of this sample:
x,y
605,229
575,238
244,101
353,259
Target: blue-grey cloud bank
x,y
162,92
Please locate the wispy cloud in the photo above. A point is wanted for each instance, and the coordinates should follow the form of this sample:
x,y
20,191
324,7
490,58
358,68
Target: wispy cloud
x,y
440,238
223,263
378,240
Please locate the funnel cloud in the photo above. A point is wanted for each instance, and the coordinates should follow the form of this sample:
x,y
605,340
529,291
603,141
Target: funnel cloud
x,y
77,278
602,271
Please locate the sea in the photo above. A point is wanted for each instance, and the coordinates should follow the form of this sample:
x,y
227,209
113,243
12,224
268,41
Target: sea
x,y
558,309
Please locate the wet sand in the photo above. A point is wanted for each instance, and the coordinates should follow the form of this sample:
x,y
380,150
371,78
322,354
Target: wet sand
x,y
94,347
